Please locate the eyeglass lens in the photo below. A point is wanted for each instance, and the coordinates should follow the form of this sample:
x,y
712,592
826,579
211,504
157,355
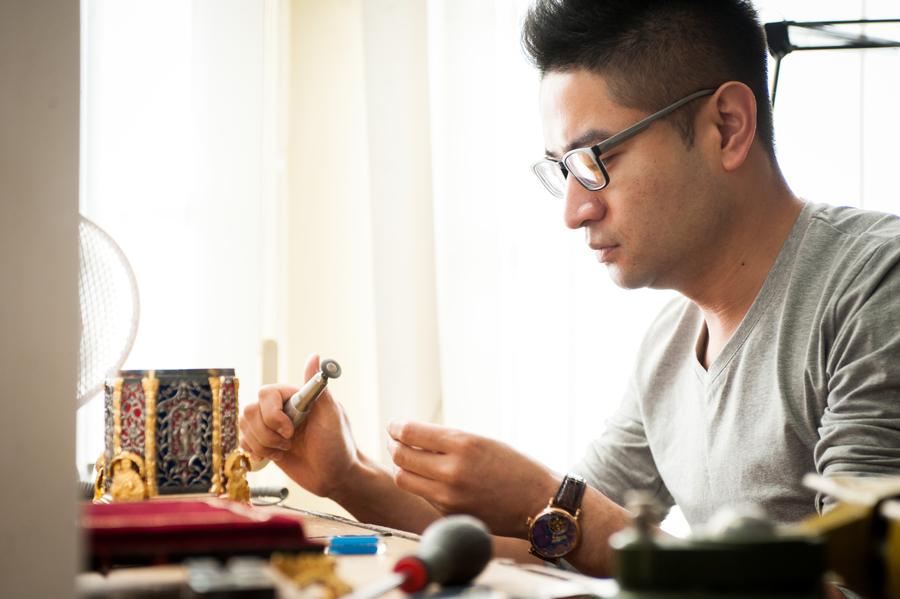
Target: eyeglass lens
x,y
584,166
550,174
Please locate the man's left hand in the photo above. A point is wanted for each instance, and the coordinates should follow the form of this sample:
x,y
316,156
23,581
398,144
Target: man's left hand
x,y
459,472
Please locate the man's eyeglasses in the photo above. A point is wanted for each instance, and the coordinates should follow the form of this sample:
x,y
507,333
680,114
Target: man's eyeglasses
x,y
585,163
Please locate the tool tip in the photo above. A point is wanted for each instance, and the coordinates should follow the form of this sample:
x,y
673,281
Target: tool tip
x,y
330,369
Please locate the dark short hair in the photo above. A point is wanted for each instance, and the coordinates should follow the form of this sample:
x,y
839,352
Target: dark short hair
x,y
653,52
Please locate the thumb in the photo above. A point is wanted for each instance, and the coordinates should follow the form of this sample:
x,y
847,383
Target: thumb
x,y
312,367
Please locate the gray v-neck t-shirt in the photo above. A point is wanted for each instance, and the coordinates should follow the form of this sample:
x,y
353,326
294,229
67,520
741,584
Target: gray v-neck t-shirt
x,y
809,382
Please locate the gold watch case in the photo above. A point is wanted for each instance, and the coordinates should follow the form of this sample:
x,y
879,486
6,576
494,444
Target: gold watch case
x,y
554,532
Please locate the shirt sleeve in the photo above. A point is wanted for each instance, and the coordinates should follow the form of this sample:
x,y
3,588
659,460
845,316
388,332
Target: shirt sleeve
x,y
859,433
620,459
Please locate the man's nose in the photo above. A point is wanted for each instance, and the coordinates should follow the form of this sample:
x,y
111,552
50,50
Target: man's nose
x,y
581,205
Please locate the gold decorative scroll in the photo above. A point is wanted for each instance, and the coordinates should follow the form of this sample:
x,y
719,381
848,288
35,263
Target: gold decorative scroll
x,y
151,389
237,465
100,481
117,416
307,569
215,385
127,477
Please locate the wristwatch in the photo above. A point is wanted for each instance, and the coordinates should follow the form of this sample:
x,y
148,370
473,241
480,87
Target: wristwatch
x,y
554,531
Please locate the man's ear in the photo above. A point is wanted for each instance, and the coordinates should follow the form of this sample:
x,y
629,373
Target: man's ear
x,y
735,120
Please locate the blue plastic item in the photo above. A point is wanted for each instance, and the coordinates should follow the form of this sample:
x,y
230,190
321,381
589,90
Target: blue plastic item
x,y
354,545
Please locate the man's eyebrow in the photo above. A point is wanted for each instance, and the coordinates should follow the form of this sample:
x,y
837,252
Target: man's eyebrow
x,y
588,138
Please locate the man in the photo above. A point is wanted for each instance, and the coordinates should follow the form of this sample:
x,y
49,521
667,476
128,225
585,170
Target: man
x,y
780,359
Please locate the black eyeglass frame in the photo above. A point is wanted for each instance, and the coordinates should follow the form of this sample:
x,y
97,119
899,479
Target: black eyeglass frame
x,y
607,144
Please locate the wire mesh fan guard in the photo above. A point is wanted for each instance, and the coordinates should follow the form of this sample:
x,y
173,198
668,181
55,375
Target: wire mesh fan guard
x,y
108,295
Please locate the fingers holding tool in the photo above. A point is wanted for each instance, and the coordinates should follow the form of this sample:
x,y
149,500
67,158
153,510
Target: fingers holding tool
x,y
266,431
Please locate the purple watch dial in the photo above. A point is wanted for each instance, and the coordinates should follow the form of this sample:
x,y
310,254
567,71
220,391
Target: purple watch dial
x,y
554,535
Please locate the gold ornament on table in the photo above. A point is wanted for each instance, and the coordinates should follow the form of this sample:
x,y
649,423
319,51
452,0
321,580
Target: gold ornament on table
x,y
181,422
117,416
127,477
215,385
150,386
100,481
236,467
312,569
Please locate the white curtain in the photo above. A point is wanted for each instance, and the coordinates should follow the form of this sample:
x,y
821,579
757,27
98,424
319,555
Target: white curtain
x,y
536,342
836,118
176,148
352,178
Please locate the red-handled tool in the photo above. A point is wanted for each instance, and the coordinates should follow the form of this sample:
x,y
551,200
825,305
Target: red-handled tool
x,y
452,551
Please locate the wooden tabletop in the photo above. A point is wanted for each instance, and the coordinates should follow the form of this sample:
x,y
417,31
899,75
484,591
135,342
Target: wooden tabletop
x,y
502,578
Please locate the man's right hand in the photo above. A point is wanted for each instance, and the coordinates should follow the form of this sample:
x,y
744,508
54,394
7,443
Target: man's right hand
x,y
320,455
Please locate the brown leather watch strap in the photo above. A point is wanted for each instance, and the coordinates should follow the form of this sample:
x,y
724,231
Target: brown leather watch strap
x,y
570,493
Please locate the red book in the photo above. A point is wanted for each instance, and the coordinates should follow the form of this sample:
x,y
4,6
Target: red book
x,y
157,532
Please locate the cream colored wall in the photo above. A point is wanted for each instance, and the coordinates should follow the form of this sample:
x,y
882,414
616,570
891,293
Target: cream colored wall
x,y
39,52
396,68
359,231
328,306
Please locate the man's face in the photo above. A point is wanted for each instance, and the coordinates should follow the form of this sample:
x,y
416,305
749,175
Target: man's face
x,y
654,223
